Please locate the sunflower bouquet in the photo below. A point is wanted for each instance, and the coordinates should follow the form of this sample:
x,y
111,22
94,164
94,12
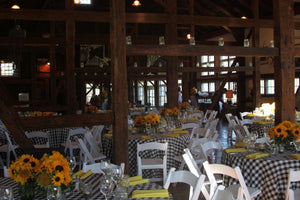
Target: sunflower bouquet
x,y
285,132
91,109
55,170
183,105
50,170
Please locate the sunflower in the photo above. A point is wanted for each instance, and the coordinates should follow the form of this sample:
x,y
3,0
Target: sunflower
x,y
296,131
272,132
58,179
43,179
281,131
287,124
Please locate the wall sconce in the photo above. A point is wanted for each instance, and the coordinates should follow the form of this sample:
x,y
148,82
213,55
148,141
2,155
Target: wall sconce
x,y
136,3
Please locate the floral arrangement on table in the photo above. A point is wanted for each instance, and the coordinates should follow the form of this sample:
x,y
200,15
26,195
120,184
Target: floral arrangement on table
x,y
193,91
168,112
91,109
184,105
139,121
29,172
285,132
149,119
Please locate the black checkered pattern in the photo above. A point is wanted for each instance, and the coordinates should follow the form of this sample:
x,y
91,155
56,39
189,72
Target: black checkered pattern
x,y
93,180
175,148
259,128
269,174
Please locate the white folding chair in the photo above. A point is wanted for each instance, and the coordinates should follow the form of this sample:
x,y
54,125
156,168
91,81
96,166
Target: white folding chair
x,y
210,147
88,156
39,139
91,143
221,194
240,191
239,133
292,194
152,163
8,148
199,133
198,115
190,125
71,144
196,183
97,133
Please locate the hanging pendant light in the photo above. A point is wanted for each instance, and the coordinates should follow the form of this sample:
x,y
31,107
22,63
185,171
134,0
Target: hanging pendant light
x,y
15,6
136,3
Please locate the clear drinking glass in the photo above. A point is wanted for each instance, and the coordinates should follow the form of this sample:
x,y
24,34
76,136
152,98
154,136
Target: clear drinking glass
x,y
117,175
106,167
72,163
106,186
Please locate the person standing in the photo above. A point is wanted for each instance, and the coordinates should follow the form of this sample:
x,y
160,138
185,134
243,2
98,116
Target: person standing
x,y
179,95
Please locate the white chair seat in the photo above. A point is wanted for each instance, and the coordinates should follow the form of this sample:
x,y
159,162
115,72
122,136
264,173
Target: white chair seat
x,y
234,188
152,163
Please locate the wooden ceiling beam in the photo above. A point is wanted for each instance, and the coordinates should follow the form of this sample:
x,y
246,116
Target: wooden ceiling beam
x,y
196,50
92,16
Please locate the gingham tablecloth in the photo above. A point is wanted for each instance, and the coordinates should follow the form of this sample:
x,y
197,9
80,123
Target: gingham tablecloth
x,y
259,128
175,148
269,174
93,180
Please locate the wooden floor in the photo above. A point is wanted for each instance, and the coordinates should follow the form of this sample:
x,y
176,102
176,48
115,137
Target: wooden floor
x,y
181,191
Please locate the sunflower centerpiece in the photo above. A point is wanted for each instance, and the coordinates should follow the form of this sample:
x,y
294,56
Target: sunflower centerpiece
x,y
284,133
29,172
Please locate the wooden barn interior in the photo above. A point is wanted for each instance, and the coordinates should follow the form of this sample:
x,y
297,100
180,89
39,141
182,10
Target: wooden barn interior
x,y
55,55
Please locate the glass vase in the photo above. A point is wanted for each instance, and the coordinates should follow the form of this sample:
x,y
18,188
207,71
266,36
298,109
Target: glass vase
x,y
27,191
281,148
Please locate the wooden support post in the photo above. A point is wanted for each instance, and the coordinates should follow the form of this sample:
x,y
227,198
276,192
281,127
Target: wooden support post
x,y
171,38
285,63
256,60
119,79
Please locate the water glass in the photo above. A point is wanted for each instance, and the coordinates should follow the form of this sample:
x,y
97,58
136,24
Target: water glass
x,y
7,194
117,175
246,43
122,190
54,193
106,186
106,167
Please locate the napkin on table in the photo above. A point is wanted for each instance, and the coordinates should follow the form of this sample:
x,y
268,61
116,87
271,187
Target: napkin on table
x,y
145,137
240,144
181,132
193,119
178,129
108,135
236,150
82,174
150,193
257,155
137,180
171,135
296,156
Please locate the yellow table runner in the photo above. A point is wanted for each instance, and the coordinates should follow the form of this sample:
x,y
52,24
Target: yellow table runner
x,y
257,155
236,150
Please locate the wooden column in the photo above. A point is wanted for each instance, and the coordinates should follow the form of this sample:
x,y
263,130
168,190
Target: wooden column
x,y
52,66
156,90
70,62
285,63
256,60
171,38
119,79
130,91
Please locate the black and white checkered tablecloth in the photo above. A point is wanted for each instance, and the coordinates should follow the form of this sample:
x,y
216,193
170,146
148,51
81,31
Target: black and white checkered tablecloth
x,y
93,180
269,174
175,148
259,128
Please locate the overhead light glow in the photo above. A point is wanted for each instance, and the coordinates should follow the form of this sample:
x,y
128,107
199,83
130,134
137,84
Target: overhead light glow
x,y
16,7
243,17
77,2
188,36
136,3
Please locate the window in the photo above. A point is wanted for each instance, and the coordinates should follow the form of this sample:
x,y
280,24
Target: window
x,y
162,93
262,87
270,86
141,92
207,61
226,61
7,69
267,86
150,93
91,92
208,87
296,84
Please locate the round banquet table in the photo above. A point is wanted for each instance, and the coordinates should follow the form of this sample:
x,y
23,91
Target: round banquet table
x,y
175,148
269,174
93,180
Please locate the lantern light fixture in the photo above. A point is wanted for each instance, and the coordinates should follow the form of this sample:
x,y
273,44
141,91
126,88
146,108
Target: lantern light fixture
x,y
15,7
136,3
